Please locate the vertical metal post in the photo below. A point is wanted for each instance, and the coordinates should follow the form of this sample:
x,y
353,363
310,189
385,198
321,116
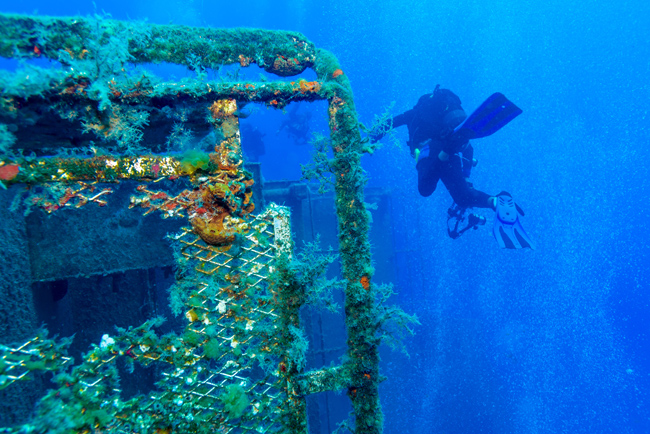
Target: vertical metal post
x,y
354,247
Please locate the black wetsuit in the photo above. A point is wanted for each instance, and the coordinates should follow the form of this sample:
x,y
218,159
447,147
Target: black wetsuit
x,y
428,126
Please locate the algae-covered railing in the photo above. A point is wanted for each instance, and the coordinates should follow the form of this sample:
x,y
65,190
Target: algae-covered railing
x,y
232,368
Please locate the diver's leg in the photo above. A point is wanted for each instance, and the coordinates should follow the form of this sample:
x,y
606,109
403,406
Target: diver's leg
x,y
428,175
461,190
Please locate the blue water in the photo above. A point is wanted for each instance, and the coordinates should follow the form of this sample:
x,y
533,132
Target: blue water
x,y
547,341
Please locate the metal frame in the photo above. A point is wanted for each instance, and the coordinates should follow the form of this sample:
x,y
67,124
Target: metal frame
x,y
281,53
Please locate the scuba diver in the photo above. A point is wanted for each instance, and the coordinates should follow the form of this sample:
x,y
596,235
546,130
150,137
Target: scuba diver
x,y
296,124
439,140
252,141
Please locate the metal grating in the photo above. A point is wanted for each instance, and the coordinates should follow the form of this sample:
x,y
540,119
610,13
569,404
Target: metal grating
x,y
37,354
233,310
228,289
222,374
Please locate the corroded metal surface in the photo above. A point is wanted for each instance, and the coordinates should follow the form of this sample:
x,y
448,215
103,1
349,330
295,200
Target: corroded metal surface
x,y
221,374
220,361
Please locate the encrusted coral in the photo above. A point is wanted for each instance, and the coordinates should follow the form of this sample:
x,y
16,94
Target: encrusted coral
x,y
224,115
309,86
285,67
216,221
211,228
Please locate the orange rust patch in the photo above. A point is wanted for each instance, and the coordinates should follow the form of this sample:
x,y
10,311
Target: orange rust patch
x,y
9,171
309,86
212,231
245,61
365,282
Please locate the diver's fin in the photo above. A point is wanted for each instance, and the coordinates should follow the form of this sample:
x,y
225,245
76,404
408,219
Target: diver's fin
x,y
507,228
495,113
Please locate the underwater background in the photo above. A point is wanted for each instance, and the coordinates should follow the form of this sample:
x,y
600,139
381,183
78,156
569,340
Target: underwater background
x,y
546,341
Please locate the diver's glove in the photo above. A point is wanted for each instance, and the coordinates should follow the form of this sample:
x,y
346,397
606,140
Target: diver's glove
x,y
375,137
378,130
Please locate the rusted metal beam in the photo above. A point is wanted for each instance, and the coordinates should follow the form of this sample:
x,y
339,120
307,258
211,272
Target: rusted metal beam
x,y
95,96
277,52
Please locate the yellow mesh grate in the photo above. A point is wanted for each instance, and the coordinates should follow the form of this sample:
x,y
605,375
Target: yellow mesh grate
x,y
221,374
77,194
228,345
212,278
34,355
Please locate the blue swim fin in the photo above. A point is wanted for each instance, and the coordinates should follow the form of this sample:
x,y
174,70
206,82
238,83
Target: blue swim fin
x,y
507,228
495,113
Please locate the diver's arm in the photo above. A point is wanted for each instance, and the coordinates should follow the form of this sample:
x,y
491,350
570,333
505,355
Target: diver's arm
x,y
402,119
383,128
